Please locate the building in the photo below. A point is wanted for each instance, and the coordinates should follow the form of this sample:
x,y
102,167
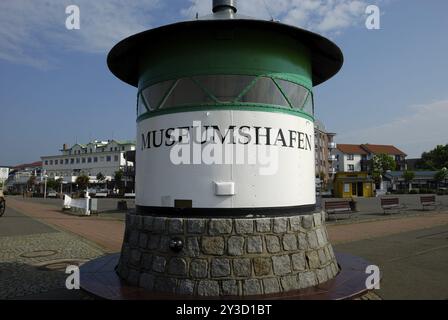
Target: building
x,y
91,159
323,144
356,184
422,180
356,157
20,175
4,173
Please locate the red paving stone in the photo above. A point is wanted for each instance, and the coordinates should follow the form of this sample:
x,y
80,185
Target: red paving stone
x,y
106,233
109,233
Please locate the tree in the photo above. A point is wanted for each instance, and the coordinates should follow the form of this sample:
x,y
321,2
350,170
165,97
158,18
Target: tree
x,y
435,159
408,176
440,176
31,182
379,165
100,177
82,181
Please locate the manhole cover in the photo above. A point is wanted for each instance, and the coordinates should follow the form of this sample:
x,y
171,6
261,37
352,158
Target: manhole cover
x,y
39,254
59,265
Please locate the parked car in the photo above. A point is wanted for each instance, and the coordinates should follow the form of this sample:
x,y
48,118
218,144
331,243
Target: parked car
x,y
52,194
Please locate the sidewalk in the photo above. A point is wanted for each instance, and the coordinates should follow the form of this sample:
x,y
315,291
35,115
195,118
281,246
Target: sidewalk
x,y
107,233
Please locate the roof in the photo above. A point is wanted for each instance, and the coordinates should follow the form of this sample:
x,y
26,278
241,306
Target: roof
x,y
350,148
382,149
28,165
417,174
124,58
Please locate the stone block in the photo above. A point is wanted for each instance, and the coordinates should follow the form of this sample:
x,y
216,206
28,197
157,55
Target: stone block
x,y
198,268
244,226
158,264
196,226
263,225
289,242
312,240
313,259
191,247
271,285
220,226
208,288
176,226
272,244
177,266
252,287
163,284
290,283
280,225
295,223
185,287
308,221
241,267
307,279
254,244
147,223
235,246
298,261
213,245
153,242
281,264
262,266
229,288
220,267
159,225
147,281
143,240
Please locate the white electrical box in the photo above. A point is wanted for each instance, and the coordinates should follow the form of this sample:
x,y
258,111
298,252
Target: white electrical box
x,y
225,188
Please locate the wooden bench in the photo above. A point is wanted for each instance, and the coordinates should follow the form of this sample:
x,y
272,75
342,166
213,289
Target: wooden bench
x,y
338,207
428,201
391,204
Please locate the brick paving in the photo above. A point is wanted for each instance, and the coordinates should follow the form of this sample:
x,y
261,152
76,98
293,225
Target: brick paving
x,y
107,233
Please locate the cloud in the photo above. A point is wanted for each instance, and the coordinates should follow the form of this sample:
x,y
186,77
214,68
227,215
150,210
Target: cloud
x,y
420,129
29,29
324,16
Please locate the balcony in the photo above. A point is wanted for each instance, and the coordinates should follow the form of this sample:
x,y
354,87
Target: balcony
x,y
332,171
331,157
332,145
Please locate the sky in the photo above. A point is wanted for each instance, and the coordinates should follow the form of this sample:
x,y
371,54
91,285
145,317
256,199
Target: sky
x,y
55,87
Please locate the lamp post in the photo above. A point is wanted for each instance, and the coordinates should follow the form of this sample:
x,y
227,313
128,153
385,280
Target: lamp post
x,y
45,185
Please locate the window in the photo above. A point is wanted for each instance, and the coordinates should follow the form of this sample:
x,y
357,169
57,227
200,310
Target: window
x,y
116,158
77,160
351,168
108,158
46,162
220,89
83,160
350,157
66,161
111,149
72,160
89,160
55,161
122,148
51,162
95,159
265,91
296,94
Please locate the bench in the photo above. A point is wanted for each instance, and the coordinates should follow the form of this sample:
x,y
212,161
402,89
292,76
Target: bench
x,y
338,207
390,204
428,201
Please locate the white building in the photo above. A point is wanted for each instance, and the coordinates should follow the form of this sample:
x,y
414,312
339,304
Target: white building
x,y
105,157
356,157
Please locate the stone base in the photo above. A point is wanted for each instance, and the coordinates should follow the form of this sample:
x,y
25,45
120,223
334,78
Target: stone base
x,y
226,256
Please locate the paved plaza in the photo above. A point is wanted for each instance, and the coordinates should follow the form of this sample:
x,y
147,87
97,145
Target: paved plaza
x,y
38,241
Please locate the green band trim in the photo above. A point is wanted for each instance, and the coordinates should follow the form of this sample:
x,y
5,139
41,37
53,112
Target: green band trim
x,y
240,106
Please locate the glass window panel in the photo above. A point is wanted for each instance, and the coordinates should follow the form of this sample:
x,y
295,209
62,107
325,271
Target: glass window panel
x,y
155,93
225,88
309,108
265,91
141,109
184,93
295,93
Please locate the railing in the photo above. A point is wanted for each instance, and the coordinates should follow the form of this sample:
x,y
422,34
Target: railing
x,y
331,157
332,145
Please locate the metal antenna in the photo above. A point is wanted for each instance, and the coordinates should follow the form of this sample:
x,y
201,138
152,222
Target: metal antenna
x,y
267,9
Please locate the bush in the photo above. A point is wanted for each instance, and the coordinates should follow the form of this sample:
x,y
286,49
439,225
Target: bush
x,y
413,191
